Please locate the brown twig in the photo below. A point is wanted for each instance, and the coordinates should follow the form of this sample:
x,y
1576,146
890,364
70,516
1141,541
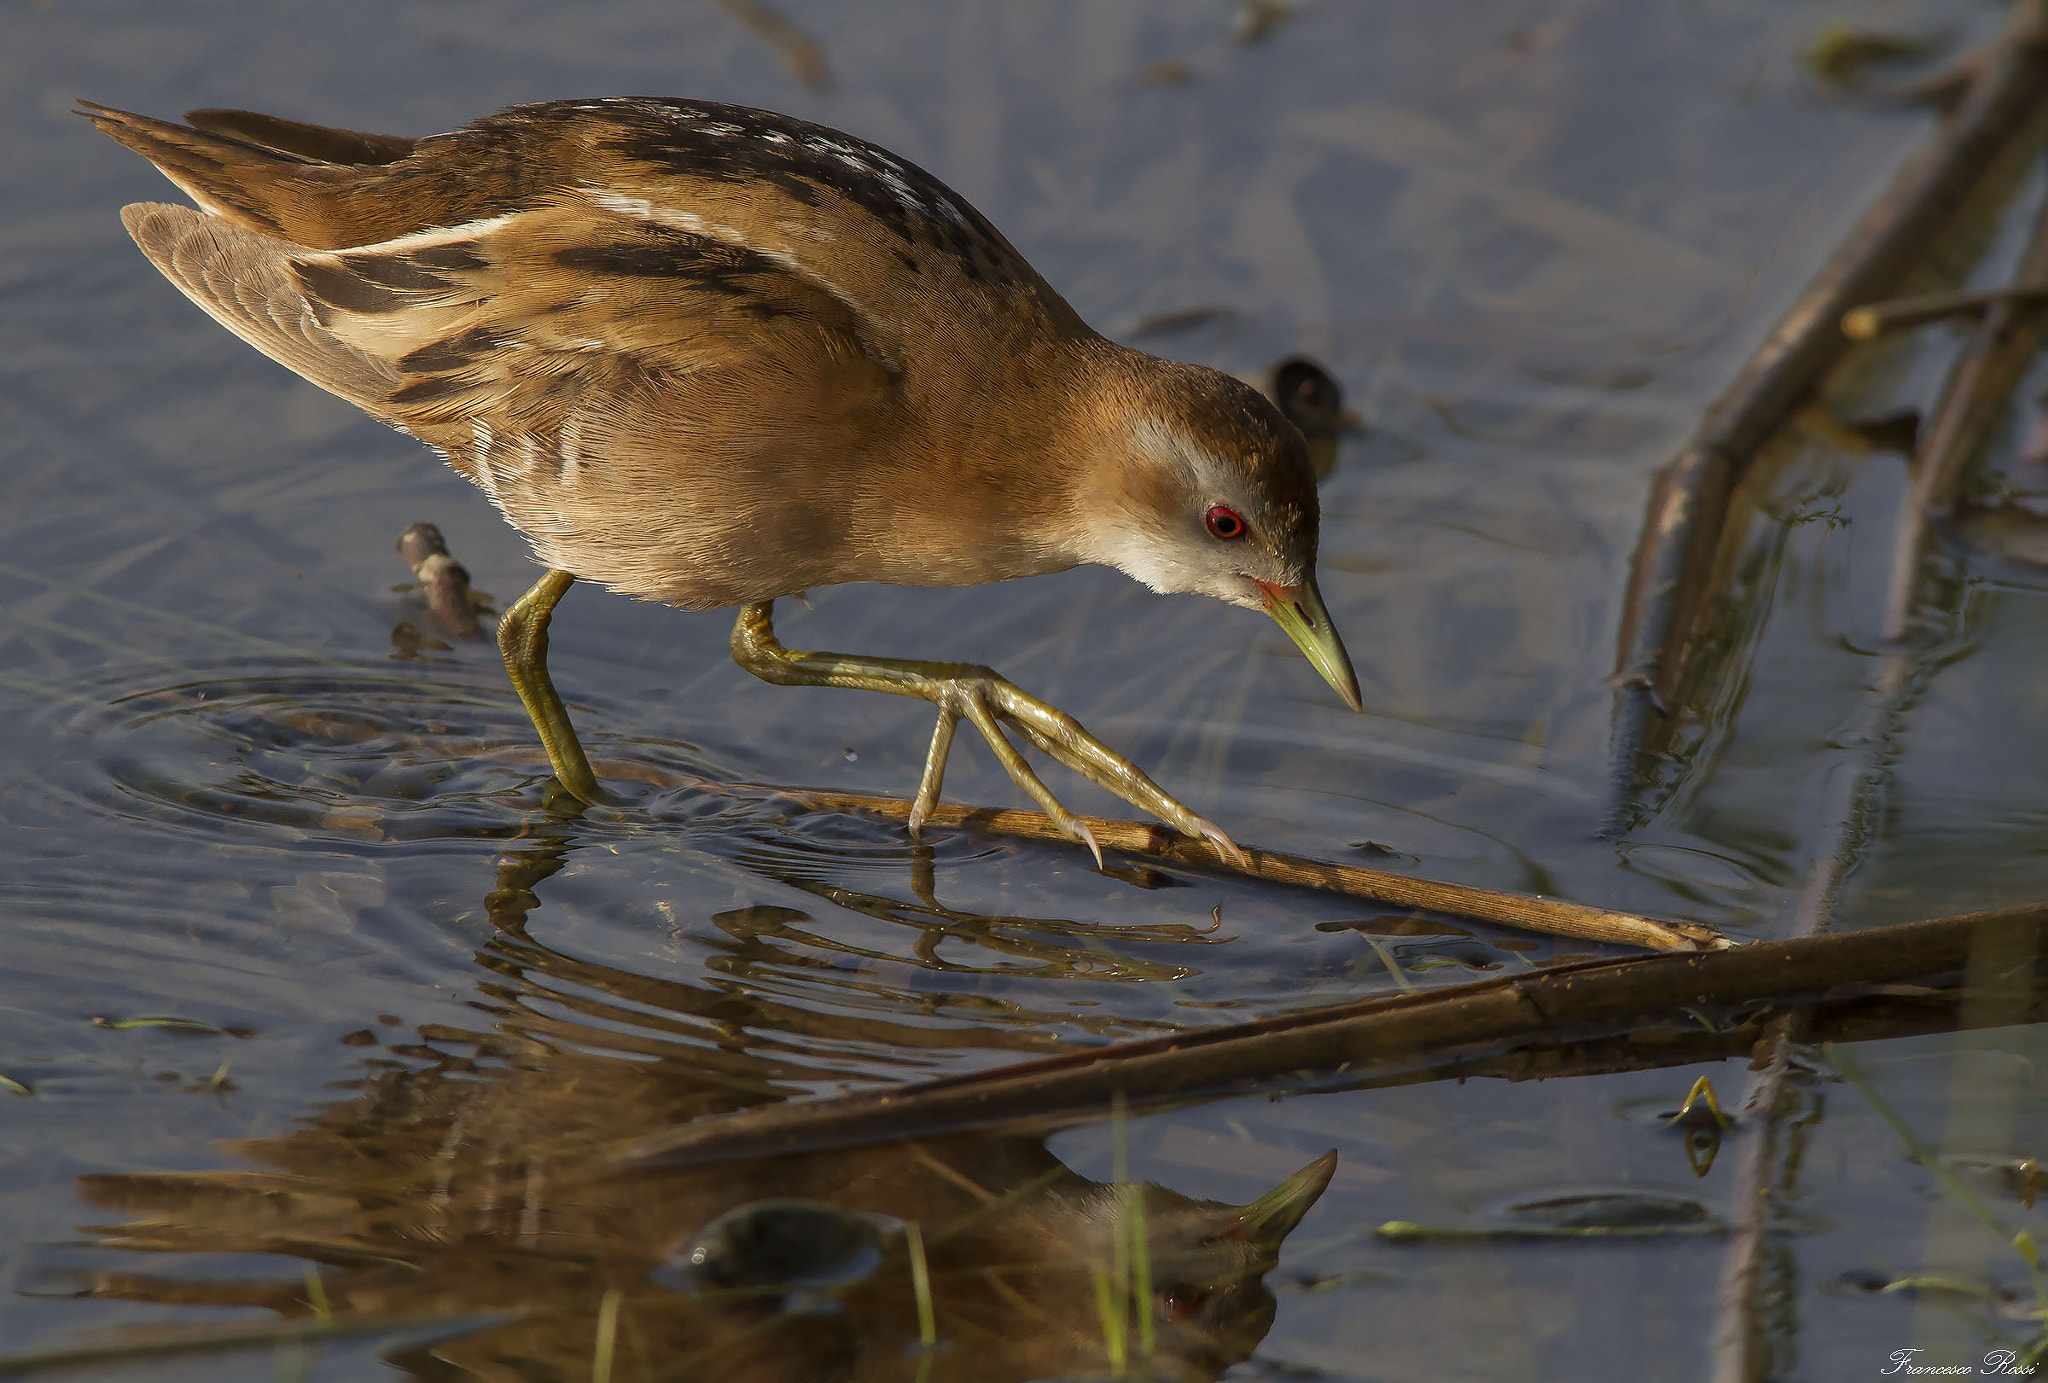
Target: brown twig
x,y
1688,507
443,580
1491,1026
1978,389
1548,915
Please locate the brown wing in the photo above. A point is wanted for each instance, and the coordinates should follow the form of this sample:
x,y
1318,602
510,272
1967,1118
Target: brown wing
x,y
587,369
245,282
488,320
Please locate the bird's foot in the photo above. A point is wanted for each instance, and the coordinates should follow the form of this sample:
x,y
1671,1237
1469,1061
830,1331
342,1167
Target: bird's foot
x,y
988,702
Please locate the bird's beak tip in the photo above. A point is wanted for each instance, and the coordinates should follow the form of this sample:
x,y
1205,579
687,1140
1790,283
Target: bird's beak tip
x,y
1299,610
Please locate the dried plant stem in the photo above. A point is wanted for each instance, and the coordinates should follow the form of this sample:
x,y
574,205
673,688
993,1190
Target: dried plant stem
x,y
1688,508
1978,389
1522,911
1620,1014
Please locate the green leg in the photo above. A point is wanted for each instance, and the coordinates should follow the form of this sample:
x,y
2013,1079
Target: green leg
x,y
977,695
523,639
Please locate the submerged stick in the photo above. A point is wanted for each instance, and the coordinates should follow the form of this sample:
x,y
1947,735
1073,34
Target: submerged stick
x,y
1978,389
1551,916
1688,507
1507,1026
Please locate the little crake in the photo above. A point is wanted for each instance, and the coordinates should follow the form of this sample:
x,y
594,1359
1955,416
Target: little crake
x,y
712,356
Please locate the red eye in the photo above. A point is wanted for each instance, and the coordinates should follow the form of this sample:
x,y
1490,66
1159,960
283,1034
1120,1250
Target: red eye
x,y
1224,523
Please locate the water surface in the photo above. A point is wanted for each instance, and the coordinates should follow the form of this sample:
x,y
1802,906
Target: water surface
x,y
1532,240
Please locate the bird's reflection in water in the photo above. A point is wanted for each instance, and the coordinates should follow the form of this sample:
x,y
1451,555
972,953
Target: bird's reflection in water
x,y
1050,947
467,1173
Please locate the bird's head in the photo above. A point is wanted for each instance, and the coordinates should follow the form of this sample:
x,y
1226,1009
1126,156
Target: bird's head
x,y
1199,484
1205,1262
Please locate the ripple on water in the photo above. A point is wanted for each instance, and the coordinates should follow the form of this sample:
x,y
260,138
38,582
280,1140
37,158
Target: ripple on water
x,y
392,819
334,754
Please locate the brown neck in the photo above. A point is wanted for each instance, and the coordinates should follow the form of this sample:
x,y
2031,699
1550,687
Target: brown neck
x,y
1019,459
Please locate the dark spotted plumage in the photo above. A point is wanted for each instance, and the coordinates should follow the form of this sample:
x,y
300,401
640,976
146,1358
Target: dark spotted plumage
x,y
808,162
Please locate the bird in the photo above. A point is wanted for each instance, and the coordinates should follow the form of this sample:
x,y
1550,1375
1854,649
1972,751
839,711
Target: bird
x,y
711,356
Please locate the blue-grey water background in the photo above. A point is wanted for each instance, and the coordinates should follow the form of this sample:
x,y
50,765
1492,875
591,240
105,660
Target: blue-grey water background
x,y
1531,239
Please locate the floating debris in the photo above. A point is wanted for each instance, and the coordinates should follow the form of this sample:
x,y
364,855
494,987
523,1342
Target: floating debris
x,y
190,1026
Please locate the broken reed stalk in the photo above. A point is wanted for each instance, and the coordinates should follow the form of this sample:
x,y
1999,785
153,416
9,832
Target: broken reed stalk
x,y
1978,390
1688,507
1629,1014
1524,912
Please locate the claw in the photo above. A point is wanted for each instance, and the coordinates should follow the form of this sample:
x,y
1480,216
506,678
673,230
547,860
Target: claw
x,y
1224,844
1088,839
